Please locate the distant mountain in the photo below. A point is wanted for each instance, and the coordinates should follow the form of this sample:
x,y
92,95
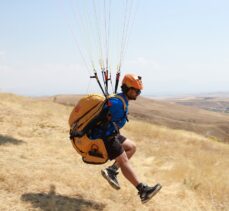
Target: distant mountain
x,y
218,102
172,115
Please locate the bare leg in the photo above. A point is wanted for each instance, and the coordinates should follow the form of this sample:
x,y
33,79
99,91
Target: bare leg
x,y
145,192
123,163
130,148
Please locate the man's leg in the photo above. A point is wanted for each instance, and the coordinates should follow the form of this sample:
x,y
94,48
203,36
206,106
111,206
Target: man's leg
x,y
115,148
123,162
130,148
145,192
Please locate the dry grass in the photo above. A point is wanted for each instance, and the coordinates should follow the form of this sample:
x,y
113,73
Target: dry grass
x,y
197,164
41,171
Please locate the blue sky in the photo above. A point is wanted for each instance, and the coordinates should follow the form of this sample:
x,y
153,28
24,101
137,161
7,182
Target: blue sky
x,y
176,46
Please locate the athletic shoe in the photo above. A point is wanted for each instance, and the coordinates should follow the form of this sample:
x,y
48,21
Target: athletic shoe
x,y
111,176
146,192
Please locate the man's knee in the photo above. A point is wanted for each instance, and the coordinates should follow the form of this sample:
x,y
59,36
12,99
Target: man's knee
x,y
129,146
134,147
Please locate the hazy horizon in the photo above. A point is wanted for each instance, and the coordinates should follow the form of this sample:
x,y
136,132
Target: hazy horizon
x,y
153,95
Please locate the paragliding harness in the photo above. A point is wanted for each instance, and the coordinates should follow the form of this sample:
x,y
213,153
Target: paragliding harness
x,y
86,115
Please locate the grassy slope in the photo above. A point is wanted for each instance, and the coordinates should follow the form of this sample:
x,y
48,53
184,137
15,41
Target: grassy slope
x,y
206,123
41,171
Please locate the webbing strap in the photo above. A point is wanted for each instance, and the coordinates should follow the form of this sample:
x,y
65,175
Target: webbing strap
x,y
121,98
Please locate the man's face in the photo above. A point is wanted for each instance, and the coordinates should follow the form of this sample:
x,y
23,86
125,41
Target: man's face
x,y
133,93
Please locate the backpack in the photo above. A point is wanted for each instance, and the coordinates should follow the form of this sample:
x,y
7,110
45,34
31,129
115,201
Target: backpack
x,y
83,116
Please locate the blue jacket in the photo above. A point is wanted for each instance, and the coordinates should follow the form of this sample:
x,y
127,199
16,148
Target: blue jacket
x,y
118,116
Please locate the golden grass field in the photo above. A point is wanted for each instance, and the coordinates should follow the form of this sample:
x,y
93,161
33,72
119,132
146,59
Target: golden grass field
x,y
40,170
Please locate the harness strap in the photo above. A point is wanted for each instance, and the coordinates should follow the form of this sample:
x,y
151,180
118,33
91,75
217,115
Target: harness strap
x,y
121,98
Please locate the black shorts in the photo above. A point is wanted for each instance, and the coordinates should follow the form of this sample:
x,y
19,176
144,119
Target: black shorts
x,y
114,146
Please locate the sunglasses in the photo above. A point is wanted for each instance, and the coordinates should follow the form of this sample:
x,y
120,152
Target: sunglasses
x,y
138,91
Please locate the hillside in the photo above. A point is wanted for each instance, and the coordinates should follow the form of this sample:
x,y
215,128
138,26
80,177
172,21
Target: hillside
x,y
172,115
40,170
216,103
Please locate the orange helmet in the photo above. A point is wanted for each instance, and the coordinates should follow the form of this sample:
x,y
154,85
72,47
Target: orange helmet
x,y
131,80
